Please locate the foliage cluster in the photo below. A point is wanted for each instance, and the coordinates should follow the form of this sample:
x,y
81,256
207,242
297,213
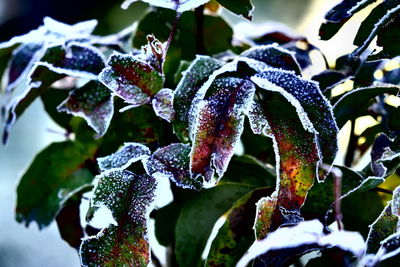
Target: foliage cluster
x,y
187,94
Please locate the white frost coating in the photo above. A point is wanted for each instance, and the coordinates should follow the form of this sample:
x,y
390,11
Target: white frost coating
x,y
305,233
267,85
69,72
103,113
162,104
124,157
36,56
183,5
360,5
84,28
30,37
196,105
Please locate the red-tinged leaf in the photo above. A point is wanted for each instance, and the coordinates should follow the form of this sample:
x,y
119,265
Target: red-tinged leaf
x,y
312,107
274,56
162,104
128,196
192,80
297,159
173,162
131,78
178,5
94,103
218,125
124,157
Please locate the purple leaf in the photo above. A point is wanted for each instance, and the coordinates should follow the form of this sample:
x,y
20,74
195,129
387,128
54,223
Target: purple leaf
x,y
162,104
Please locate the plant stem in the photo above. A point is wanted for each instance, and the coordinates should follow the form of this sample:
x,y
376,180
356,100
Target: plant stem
x,y
199,13
172,33
348,160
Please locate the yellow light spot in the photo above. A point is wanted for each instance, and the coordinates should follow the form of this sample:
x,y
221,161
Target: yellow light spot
x,y
364,122
392,65
393,100
302,45
342,88
361,140
378,75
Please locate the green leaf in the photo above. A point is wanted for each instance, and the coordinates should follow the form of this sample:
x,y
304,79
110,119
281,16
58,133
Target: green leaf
x,y
198,217
94,103
128,196
350,105
124,157
179,6
165,221
243,8
192,80
236,234
218,125
376,24
131,78
57,173
248,170
172,162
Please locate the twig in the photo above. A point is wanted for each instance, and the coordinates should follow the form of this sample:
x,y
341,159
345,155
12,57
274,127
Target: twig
x,y
173,29
348,160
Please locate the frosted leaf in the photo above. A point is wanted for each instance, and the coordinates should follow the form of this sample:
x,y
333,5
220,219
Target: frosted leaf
x,y
296,152
258,121
131,78
178,5
84,28
309,102
304,237
23,59
129,198
218,125
162,104
384,236
34,36
124,157
173,162
74,59
94,103
192,80
274,56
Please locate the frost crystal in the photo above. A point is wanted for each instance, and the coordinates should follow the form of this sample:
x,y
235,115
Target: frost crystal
x,y
162,104
131,78
124,157
179,6
172,162
218,125
94,103
307,234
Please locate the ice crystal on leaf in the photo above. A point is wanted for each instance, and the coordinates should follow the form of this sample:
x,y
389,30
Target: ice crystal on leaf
x,y
162,104
218,126
129,198
124,157
178,5
131,78
173,162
